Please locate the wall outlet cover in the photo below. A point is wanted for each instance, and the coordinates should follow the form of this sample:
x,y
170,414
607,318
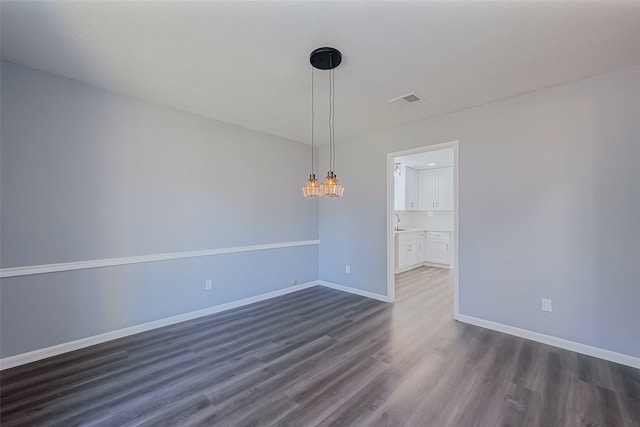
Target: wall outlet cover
x,y
208,284
347,269
294,282
546,305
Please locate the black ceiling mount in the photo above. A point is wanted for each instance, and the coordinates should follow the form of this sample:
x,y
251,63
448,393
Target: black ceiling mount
x,y
325,58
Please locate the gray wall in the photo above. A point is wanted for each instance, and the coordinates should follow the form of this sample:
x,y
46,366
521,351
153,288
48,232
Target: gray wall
x,y
89,174
549,206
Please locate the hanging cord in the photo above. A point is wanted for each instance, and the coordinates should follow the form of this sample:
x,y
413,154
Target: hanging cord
x,y
333,116
312,119
330,136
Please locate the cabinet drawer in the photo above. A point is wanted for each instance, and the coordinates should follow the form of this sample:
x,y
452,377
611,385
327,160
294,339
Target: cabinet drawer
x,y
405,237
438,236
411,235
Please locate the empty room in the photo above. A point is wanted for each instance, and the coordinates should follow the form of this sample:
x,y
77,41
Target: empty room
x,y
320,213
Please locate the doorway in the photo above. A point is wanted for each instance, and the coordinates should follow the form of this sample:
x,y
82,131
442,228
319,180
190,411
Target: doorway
x,y
422,214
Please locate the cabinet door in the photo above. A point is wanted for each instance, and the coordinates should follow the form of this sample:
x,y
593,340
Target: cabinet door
x,y
399,190
396,251
403,254
411,195
437,251
413,252
421,252
445,189
428,189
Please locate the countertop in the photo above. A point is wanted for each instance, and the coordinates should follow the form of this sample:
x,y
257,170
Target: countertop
x,y
411,230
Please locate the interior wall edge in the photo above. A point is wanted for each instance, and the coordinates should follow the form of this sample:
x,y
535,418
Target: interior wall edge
x,y
355,291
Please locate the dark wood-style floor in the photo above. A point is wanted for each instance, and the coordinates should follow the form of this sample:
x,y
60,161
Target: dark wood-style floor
x,y
323,357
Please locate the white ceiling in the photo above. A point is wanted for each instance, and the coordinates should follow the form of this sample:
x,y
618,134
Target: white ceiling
x,y
428,160
247,62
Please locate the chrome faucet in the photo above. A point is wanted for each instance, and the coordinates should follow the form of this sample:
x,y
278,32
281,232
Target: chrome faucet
x,y
398,223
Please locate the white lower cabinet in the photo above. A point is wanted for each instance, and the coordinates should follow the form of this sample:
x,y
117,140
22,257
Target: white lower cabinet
x,y
438,247
415,248
402,255
421,245
410,249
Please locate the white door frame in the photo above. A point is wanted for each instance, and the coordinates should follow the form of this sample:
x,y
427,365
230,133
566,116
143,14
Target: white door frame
x,y
391,277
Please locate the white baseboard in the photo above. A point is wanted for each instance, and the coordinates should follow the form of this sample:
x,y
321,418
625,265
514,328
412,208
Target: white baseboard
x,y
424,264
355,291
437,265
612,356
32,356
43,353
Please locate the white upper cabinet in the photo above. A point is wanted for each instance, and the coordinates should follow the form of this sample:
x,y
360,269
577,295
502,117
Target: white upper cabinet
x,y
411,198
406,188
445,189
428,189
425,190
436,189
399,189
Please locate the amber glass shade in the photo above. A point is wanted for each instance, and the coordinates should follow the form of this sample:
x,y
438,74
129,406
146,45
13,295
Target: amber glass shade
x,y
331,187
312,187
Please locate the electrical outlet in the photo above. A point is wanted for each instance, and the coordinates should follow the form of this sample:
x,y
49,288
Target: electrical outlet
x,y
208,284
294,282
546,305
347,269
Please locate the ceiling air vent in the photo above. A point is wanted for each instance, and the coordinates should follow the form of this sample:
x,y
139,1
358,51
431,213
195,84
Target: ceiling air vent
x,y
405,100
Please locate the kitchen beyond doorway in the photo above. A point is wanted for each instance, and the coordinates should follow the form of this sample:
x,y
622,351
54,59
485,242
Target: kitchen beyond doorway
x,y
422,201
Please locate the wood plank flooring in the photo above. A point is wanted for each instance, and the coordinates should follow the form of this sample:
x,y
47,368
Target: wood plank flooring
x,y
321,357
